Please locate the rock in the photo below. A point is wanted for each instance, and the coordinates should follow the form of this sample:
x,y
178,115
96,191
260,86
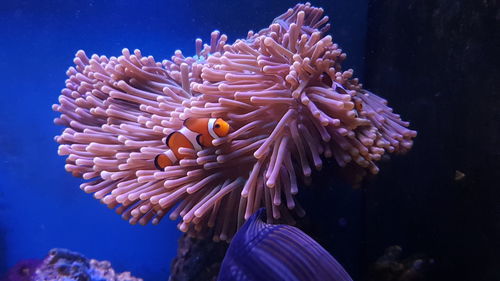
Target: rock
x,y
65,265
197,259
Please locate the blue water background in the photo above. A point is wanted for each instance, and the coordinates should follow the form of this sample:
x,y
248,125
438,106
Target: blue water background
x,y
41,206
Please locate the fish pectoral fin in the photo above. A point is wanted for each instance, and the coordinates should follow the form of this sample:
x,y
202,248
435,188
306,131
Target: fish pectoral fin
x,y
199,140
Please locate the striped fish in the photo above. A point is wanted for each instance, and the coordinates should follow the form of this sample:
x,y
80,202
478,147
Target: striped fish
x,y
196,133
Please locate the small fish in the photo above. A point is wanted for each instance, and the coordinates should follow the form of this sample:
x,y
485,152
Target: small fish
x,y
196,134
261,251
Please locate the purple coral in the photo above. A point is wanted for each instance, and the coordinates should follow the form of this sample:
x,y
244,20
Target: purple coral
x,y
282,90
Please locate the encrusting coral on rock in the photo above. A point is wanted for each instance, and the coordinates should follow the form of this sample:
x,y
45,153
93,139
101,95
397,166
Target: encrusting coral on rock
x,y
392,267
282,91
65,265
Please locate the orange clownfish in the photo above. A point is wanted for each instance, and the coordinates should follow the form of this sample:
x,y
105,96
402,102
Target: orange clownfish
x,y
196,134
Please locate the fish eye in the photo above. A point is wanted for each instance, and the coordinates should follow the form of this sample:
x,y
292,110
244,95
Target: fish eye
x,y
217,126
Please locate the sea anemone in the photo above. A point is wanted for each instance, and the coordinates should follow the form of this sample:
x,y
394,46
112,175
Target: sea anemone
x,y
283,92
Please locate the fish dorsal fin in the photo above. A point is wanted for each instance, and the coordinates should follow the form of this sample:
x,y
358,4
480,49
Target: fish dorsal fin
x,y
189,123
198,125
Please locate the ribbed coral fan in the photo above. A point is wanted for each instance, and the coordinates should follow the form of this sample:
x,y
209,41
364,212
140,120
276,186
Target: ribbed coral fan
x,y
284,94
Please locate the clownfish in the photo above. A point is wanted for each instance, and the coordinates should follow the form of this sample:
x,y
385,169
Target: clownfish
x,y
196,133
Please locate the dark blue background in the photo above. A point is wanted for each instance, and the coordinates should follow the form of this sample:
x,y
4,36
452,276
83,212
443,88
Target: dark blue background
x,y
41,206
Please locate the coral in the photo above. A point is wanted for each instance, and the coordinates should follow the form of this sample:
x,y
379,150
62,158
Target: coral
x,y
391,267
64,265
281,89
